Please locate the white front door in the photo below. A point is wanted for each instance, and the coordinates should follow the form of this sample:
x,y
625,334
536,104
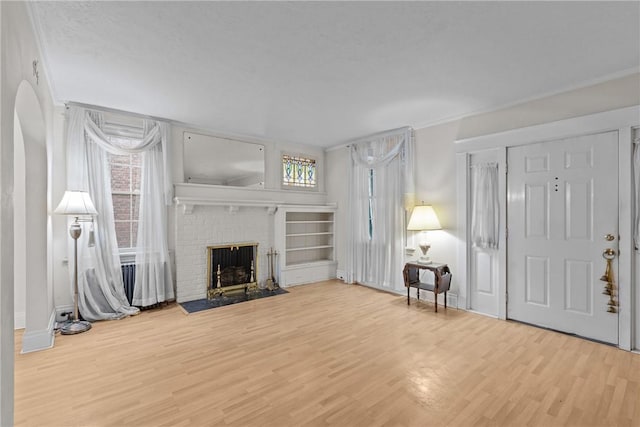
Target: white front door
x,y
562,202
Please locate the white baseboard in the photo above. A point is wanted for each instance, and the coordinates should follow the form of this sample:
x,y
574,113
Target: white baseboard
x,y
493,316
19,320
452,299
462,302
340,275
41,339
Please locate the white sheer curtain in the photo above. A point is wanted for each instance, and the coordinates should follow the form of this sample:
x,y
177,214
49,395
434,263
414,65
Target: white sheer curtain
x,y
485,210
381,183
153,269
100,287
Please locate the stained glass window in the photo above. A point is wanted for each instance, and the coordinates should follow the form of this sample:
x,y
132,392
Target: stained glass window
x,y
298,171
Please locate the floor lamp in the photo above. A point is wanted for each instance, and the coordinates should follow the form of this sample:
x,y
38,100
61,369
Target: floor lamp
x,y
76,203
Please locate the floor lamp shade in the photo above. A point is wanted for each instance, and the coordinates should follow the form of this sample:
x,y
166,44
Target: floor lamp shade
x,y
424,218
75,203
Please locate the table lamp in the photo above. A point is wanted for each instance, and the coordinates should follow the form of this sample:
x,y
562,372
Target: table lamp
x,y
423,219
76,203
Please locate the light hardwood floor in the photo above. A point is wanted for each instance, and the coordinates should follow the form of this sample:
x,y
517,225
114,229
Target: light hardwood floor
x,y
324,354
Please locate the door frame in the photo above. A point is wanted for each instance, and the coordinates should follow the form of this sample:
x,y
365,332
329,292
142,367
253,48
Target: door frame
x,y
623,121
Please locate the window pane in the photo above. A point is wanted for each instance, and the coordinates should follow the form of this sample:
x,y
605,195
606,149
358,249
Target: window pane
x,y
120,178
135,207
136,176
371,201
125,187
134,234
121,207
136,159
123,234
298,171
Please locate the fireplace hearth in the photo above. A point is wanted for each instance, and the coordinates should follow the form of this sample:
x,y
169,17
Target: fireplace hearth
x,y
231,268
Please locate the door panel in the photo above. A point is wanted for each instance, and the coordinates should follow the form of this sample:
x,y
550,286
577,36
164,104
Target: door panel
x,y
579,207
537,212
577,275
562,200
537,280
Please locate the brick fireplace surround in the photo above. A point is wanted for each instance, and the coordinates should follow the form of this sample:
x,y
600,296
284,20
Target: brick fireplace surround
x,y
216,225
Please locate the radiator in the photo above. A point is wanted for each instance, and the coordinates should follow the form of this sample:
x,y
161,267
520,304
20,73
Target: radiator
x,y
129,279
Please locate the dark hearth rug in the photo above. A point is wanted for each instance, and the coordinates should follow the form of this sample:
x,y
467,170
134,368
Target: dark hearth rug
x,y
205,304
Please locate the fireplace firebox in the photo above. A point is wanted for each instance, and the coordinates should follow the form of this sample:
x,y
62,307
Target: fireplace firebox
x,y
231,267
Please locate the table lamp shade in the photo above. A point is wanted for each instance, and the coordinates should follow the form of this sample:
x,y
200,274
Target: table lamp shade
x,y
423,218
76,203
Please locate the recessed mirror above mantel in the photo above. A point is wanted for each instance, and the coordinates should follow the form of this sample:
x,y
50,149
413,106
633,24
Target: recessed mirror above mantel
x,y
223,161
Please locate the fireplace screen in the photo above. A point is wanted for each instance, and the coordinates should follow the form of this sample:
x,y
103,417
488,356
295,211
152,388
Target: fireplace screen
x,y
231,266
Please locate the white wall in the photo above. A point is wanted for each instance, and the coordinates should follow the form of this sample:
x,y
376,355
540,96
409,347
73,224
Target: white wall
x,y
190,233
436,186
337,173
19,227
436,161
605,96
62,284
19,49
273,152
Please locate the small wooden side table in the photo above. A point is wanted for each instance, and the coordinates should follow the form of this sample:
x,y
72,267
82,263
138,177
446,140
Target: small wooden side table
x,y
442,281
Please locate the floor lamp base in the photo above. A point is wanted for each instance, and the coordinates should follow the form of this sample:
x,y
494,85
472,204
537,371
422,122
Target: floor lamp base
x,y
73,327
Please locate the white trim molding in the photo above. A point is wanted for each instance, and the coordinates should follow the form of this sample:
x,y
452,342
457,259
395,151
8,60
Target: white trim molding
x,y
188,196
41,339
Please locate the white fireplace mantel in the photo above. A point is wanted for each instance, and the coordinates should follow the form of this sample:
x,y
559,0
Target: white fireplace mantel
x,y
188,196
188,203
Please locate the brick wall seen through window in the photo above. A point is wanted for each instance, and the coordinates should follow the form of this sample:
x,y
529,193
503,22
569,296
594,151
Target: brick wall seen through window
x,y
125,190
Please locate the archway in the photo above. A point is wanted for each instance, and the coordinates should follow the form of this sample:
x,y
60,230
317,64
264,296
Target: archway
x,y
31,231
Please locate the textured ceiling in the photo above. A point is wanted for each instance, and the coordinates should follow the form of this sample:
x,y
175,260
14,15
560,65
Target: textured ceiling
x,y
322,73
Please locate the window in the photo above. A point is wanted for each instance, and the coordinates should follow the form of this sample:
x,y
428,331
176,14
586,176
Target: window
x,y
298,171
125,190
371,201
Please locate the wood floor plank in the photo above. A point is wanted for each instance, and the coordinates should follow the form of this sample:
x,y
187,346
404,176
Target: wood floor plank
x,y
325,354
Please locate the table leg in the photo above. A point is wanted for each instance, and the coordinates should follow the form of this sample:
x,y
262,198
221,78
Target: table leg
x,y
436,298
408,289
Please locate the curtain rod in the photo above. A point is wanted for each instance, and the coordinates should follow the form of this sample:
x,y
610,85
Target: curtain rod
x,y
370,137
114,111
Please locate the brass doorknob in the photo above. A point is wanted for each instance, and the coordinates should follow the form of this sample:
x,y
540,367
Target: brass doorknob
x,y
609,253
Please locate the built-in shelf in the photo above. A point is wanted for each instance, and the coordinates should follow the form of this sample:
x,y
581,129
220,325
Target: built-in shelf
x,y
310,222
309,248
319,262
310,234
305,239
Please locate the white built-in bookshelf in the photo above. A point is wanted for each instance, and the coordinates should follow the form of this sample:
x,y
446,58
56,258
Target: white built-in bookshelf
x,y
305,241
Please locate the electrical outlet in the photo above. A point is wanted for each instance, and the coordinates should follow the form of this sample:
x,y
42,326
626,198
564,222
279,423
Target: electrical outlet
x,y
61,315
